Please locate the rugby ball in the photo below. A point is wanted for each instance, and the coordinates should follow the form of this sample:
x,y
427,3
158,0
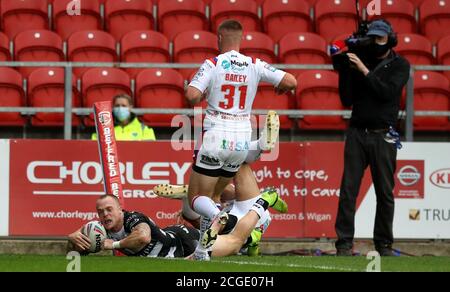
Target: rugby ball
x,y
96,233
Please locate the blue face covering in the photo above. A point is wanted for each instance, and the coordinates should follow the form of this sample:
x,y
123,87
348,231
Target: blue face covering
x,y
121,113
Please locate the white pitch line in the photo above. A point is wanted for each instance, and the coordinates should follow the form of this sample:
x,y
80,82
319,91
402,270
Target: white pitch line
x,y
292,266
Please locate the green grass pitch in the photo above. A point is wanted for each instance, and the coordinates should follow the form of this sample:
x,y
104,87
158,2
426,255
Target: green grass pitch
x,y
92,263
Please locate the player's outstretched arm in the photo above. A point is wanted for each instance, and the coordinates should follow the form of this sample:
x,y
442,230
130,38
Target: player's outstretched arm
x,y
288,83
193,95
136,241
79,242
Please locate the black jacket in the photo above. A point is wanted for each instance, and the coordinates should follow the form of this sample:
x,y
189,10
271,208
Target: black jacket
x,y
375,98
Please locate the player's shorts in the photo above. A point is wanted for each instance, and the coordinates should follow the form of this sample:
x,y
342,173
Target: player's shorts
x,y
221,153
188,236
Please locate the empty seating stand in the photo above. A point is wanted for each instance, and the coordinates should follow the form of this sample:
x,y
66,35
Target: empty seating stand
x,y
46,89
159,88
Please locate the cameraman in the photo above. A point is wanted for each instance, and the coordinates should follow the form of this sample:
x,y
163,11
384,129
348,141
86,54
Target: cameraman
x,y
373,88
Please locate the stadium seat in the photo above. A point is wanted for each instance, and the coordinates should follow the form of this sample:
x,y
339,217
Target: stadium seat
x,y
65,24
175,16
159,88
91,46
245,11
11,95
267,99
281,17
303,48
318,90
416,48
312,2
435,19
102,84
416,3
123,16
21,15
144,47
443,53
400,13
46,89
258,45
194,47
37,46
5,53
431,93
259,2
335,17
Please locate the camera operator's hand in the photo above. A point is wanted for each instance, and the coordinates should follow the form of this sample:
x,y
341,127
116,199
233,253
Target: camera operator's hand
x,y
358,63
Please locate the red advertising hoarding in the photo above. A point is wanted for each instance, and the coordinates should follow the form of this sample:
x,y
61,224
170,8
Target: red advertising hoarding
x,y
54,184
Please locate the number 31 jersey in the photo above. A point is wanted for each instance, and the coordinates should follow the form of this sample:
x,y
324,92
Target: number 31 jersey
x,y
231,82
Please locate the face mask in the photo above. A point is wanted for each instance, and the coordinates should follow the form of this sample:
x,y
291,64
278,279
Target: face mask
x,y
122,113
377,50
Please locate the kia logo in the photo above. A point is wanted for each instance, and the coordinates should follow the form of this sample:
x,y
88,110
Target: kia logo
x,y
441,178
408,175
104,118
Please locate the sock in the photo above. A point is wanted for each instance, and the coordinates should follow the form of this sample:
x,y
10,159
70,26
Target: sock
x,y
260,206
204,206
187,210
264,221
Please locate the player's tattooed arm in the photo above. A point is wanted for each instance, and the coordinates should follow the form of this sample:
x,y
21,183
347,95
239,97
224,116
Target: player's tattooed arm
x,y
139,237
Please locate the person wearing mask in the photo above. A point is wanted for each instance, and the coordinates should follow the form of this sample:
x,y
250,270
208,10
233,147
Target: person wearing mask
x,y
127,125
372,85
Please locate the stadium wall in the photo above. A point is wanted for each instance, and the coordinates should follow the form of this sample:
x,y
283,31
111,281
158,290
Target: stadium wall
x,y
48,188
4,187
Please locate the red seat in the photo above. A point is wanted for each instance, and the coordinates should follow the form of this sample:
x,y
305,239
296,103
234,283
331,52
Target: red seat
x,y
335,17
416,3
21,15
91,46
37,46
5,53
312,2
431,93
159,88
178,16
244,11
281,17
144,47
258,45
194,47
102,84
123,16
400,13
303,48
443,53
267,99
46,89
318,90
435,19
417,49
11,95
65,24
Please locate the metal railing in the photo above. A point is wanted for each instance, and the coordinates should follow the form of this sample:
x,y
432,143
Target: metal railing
x,y
408,114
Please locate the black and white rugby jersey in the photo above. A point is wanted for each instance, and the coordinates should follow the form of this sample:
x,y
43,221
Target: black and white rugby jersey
x,y
162,244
